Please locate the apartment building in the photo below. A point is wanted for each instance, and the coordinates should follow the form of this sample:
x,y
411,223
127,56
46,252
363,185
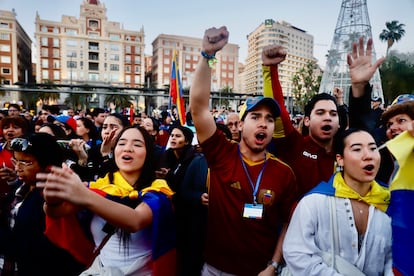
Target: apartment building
x,y
15,54
224,73
297,42
89,49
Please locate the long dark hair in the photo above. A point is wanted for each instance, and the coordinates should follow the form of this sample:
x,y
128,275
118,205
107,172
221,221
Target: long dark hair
x,y
148,170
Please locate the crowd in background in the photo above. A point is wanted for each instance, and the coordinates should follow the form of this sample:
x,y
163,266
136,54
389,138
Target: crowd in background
x,y
239,193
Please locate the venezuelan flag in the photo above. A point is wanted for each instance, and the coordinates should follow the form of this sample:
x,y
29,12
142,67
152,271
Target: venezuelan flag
x,y
401,205
176,90
67,233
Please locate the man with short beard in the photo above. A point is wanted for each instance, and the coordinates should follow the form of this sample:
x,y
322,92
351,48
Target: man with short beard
x,y
311,157
251,192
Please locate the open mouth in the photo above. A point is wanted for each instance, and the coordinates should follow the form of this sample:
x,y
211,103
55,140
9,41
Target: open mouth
x,y
126,157
369,168
326,128
260,136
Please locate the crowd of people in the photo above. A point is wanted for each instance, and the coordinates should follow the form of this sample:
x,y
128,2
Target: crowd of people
x,y
247,193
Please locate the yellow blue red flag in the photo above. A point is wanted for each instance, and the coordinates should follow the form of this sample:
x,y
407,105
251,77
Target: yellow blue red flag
x,y
176,90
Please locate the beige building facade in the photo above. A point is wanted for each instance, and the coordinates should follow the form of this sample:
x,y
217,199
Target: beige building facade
x,y
15,55
298,43
89,49
224,73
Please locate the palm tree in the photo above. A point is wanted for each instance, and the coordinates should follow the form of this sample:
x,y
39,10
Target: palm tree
x,y
119,100
393,33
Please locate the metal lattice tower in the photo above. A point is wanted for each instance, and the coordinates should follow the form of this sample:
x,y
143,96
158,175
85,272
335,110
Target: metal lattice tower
x,y
353,22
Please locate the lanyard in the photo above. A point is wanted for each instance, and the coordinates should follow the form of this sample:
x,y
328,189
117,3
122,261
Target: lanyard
x,y
259,178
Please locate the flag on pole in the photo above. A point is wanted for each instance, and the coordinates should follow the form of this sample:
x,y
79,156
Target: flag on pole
x,y
176,90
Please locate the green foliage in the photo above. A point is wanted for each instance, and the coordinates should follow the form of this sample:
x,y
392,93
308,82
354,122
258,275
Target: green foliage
x,y
119,100
224,94
305,85
393,33
79,101
396,77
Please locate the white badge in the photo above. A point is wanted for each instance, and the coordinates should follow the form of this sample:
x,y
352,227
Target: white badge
x,y
253,211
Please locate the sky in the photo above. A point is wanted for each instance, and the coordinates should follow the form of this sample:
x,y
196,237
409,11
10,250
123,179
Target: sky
x,y
191,18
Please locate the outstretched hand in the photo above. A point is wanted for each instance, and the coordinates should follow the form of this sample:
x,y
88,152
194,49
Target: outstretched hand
x,y
360,64
62,184
215,39
273,55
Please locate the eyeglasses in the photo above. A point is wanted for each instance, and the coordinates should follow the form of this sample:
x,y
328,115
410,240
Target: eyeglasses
x,y
20,144
23,163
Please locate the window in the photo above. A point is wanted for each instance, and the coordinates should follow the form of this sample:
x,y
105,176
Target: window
x,y
127,79
93,77
128,59
114,37
114,77
71,64
71,43
4,36
71,54
56,30
128,49
8,82
45,74
44,52
93,24
5,71
73,75
55,42
4,48
137,69
56,53
56,75
166,51
137,60
45,63
44,41
166,70
5,59
128,69
114,67
93,34
166,61
71,32
4,25
114,57
56,64
114,47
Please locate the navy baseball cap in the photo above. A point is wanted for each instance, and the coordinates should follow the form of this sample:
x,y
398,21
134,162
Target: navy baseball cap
x,y
253,102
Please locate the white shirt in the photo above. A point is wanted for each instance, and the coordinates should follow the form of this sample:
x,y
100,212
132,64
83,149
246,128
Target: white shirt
x,y
115,253
309,234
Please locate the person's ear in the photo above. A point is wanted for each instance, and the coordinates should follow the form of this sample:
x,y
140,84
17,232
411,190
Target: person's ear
x,y
306,120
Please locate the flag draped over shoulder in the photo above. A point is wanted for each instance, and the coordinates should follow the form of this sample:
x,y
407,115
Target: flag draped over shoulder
x,y
176,90
401,206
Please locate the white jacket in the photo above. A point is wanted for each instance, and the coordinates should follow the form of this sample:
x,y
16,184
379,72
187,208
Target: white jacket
x,y
309,234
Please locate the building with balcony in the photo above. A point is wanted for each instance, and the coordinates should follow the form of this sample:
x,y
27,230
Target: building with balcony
x,y
224,73
15,54
89,49
298,44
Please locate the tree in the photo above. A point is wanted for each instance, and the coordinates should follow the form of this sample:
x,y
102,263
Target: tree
x,y
225,91
119,100
396,77
305,85
393,33
79,101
